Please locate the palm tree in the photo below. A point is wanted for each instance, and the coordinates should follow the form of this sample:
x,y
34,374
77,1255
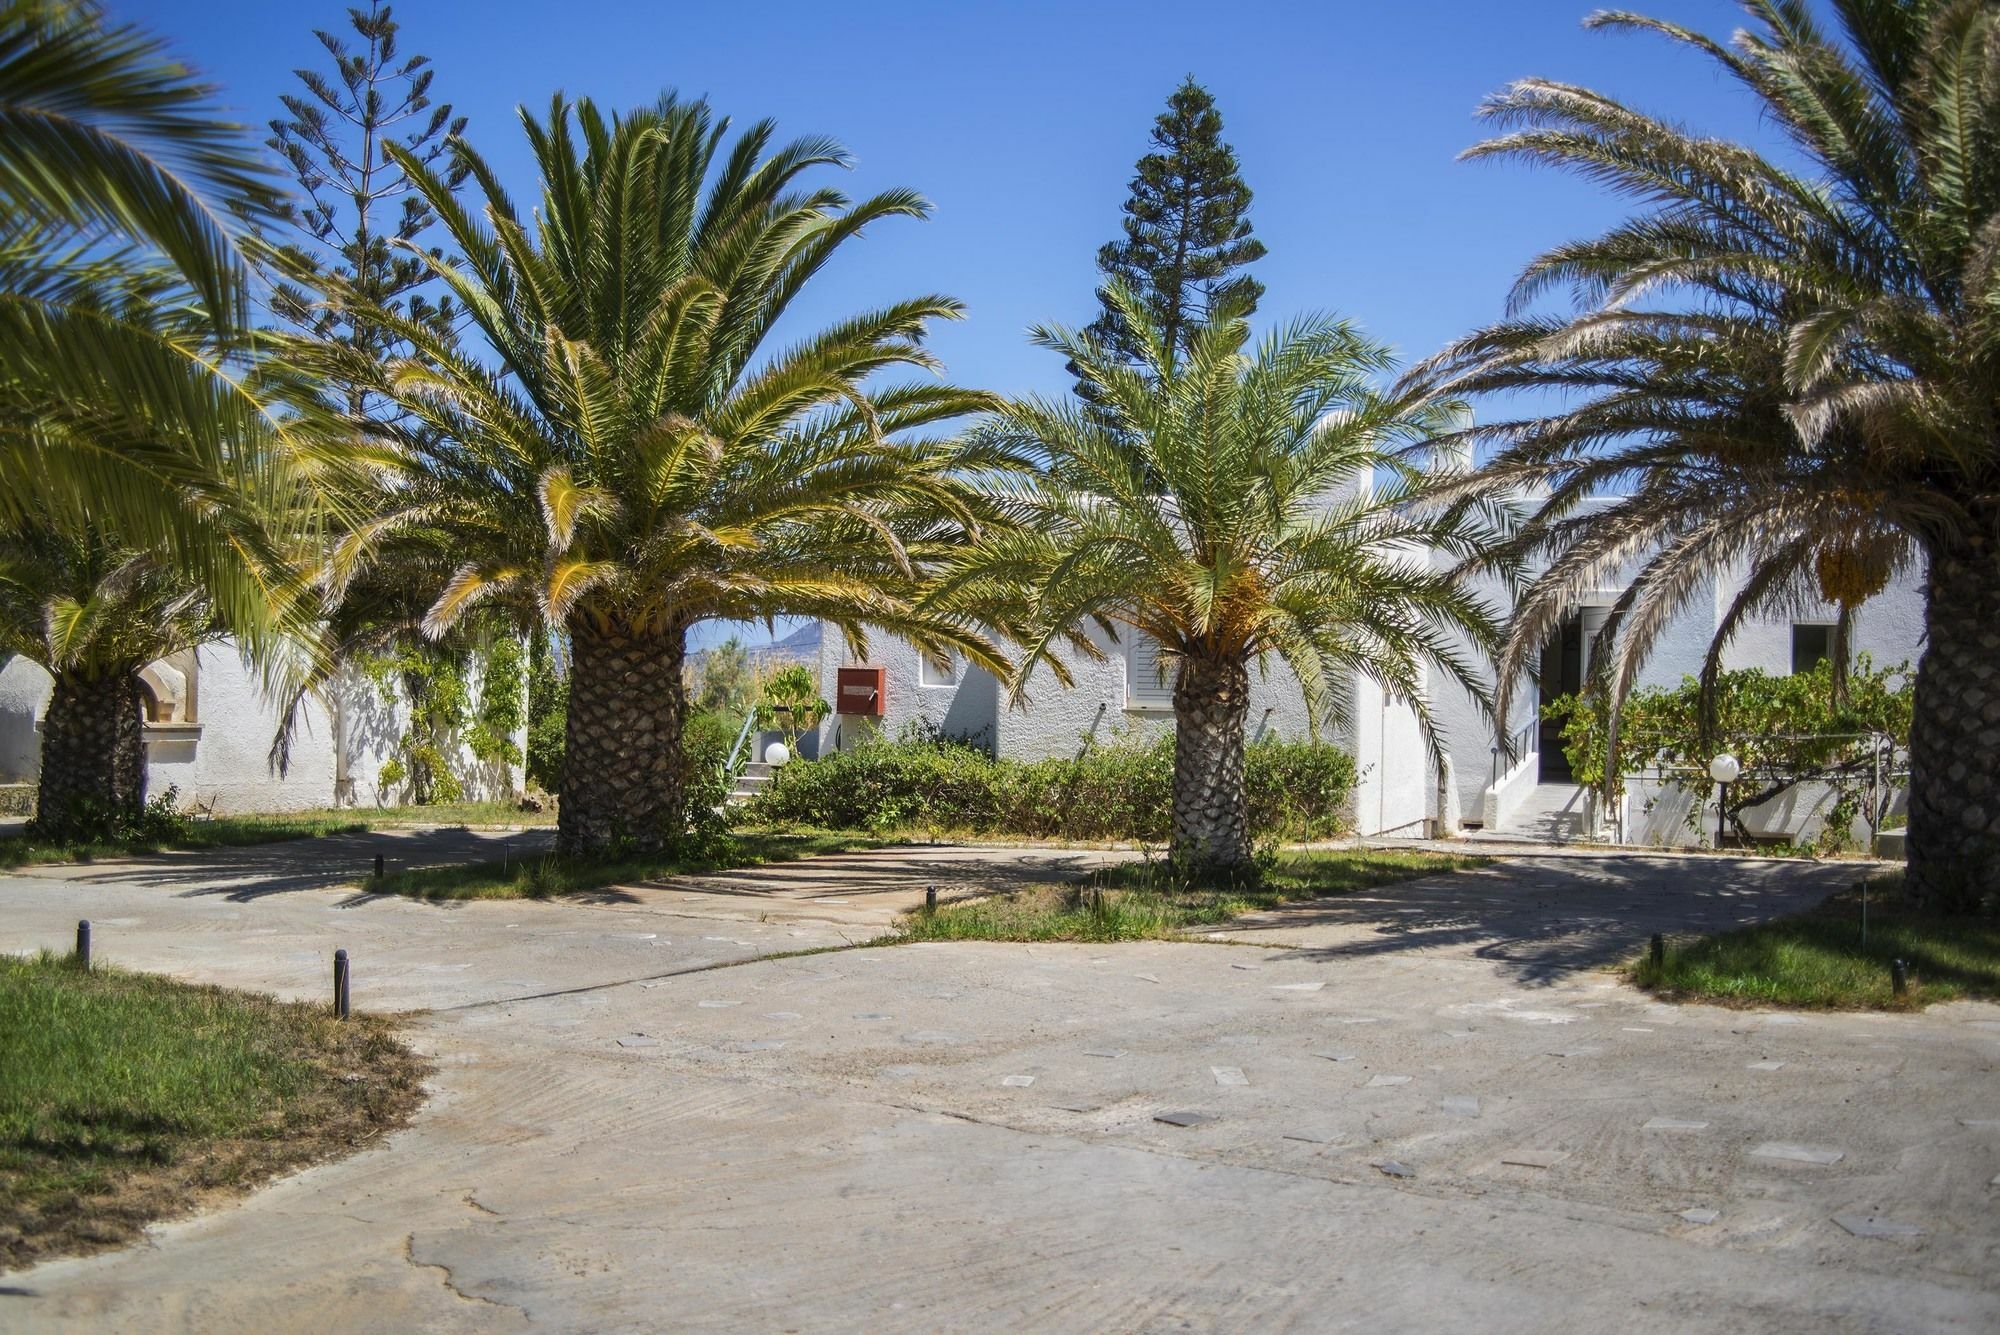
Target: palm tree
x,y
93,614
1798,370
144,452
634,458
1222,501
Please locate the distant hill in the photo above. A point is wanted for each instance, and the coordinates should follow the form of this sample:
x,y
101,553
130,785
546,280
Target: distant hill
x,y
801,646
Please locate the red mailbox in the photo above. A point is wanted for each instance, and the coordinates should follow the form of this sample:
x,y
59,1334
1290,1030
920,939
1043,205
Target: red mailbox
x,y
858,690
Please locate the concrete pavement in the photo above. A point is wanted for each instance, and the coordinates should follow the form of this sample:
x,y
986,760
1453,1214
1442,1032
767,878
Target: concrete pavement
x,y
624,1136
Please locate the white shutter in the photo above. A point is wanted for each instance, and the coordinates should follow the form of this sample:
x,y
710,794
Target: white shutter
x,y
1145,688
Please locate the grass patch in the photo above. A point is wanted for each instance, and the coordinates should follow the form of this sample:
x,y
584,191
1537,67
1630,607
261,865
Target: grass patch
x,y
23,850
127,1098
1815,960
472,815
547,875
1138,901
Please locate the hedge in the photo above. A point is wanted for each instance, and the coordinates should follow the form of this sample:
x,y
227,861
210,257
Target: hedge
x,y
1297,790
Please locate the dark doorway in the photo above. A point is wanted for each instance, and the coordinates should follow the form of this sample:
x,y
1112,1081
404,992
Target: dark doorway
x,y
1562,674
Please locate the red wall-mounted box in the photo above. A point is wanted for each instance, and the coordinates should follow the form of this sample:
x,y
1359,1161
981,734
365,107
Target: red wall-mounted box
x,y
858,690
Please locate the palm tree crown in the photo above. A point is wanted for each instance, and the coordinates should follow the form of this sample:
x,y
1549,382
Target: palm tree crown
x,y
636,458
1224,503
1795,372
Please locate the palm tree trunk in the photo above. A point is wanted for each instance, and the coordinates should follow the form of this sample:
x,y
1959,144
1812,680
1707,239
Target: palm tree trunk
x,y
93,778
621,773
1211,802
1954,835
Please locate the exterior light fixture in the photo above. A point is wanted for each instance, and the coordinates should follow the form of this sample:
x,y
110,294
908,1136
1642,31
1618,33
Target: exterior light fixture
x,y
1724,769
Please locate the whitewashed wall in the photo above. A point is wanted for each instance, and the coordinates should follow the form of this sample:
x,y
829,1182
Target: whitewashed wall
x,y
222,760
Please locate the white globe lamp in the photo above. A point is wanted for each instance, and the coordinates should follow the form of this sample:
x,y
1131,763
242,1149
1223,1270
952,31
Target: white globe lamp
x,y
777,753
1724,769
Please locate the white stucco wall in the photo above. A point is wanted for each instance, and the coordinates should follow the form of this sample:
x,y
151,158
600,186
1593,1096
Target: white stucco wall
x,y
1055,721
222,760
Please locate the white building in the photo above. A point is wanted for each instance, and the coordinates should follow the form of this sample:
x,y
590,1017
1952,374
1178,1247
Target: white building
x,y
1400,793
209,728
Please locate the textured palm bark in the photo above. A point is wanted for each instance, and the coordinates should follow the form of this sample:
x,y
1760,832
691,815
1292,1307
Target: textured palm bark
x,y
1954,834
93,777
1211,802
621,774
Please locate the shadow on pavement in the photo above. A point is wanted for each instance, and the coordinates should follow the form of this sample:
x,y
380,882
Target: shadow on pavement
x,y
1546,918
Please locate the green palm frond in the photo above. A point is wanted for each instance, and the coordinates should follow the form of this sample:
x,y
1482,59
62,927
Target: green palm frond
x,y
101,129
1225,502
1790,370
636,452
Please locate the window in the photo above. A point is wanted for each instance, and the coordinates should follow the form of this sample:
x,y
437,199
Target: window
x,y
1145,687
1812,644
935,672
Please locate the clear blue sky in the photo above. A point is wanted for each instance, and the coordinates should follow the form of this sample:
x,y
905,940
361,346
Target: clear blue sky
x,y
1022,121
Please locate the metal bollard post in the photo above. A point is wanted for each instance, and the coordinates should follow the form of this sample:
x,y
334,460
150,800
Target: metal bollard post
x,y
83,944
340,984
378,866
1659,951
1899,978
930,899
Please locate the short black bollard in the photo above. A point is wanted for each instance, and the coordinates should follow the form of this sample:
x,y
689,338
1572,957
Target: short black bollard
x,y
930,899
340,977
378,866
83,944
1899,978
1659,951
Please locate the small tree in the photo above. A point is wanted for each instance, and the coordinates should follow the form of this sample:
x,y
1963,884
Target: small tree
x,y
1784,730
791,703
548,710
724,682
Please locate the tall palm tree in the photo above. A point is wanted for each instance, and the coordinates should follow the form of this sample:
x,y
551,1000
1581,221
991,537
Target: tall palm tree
x,y
1796,369
1222,501
144,453
634,457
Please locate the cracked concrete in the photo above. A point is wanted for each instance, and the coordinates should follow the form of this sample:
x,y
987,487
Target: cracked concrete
x,y
874,1170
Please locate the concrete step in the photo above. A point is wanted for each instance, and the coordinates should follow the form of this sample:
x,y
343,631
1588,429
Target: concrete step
x,y
1552,814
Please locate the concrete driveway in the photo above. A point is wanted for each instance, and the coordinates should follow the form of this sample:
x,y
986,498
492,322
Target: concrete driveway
x,y
624,1136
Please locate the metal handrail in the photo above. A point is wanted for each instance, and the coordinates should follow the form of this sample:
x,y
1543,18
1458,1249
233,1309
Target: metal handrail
x,y
742,739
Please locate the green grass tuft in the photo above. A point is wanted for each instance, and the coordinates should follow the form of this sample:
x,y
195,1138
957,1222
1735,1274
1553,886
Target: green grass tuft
x,y
1142,901
1816,960
126,1096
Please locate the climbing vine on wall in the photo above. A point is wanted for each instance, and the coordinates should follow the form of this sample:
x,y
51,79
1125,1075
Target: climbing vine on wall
x,y
435,683
1784,730
548,712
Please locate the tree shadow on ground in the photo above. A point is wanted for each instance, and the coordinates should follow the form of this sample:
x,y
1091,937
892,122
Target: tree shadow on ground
x,y
250,872
1545,918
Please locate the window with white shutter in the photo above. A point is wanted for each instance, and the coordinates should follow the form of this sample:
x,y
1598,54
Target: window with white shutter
x,y
1145,687
937,672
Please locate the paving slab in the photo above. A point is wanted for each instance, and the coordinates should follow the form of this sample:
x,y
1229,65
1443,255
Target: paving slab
x,y
817,1172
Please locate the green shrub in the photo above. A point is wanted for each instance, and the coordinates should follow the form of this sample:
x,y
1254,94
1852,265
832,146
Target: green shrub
x,y
705,742
1123,790
1298,790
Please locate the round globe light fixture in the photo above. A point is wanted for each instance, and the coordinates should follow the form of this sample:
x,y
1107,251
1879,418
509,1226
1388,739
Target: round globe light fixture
x,y
1725,768
777,753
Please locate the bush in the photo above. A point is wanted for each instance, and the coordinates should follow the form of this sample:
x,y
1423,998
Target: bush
x,y
705,742
1120,791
